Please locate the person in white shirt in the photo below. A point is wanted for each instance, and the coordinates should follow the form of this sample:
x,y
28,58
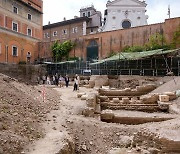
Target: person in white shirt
x,y
75,83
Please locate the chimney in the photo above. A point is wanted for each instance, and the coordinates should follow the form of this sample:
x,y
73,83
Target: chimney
x,y
49,23
64,18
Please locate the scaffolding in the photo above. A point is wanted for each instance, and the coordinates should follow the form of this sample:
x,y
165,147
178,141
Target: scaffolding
x,y
156,66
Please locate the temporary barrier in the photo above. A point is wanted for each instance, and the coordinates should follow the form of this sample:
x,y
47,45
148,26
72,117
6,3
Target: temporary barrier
x,y
144,67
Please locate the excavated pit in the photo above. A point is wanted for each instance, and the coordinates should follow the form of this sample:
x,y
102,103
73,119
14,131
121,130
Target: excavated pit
x,y
129,108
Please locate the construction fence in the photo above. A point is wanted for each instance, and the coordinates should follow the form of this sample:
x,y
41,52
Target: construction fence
x,y
159,66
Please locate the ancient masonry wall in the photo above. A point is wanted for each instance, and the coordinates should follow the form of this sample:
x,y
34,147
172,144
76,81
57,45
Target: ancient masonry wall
x,y
23,73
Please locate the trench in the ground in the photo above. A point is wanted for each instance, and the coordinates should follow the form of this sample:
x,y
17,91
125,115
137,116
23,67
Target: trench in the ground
x,y
134,120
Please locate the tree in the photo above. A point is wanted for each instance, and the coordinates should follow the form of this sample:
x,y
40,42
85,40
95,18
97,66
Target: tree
x,y
55,49
61,50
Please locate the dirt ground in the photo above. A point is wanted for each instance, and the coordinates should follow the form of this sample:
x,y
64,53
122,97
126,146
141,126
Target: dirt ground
x,y
56,125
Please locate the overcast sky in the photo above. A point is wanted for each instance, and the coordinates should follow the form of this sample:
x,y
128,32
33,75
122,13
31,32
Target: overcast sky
x,y
56,10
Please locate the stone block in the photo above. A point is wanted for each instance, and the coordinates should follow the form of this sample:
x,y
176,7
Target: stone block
x,y
153,98
105,87
125,100
80,94
146,88
134,99
88,112
91,84
103,98
86,81
83,97
98,108
172,95
107,114
115,100
127,89
163,98
97,116
163,105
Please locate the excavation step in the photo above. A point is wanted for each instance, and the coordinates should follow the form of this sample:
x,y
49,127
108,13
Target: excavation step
x,y
133,118
148,139
136,107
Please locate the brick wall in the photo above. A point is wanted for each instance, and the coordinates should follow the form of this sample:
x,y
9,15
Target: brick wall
x,y
37,4
116,40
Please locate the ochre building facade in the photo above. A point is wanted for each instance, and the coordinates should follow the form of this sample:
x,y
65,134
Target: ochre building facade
x,y
20,30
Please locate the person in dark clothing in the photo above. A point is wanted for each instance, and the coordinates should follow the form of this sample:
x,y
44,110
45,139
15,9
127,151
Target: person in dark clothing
x,y
67,80
44,79
57,79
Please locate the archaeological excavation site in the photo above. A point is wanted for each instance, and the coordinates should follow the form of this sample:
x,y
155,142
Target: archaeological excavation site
x,y
109,114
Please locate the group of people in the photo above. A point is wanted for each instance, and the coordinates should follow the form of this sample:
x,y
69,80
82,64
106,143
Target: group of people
x,y
59,80
56,80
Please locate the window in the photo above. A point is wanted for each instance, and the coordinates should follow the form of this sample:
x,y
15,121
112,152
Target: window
x,y
46,35
84,14
65,31
29,32
126,24
89,14
74,30
29,16
28,54
14,51
15,9
55,33
14,26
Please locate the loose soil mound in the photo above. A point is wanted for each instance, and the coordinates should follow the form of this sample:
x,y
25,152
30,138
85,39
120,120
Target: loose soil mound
x,y
21,111
170,86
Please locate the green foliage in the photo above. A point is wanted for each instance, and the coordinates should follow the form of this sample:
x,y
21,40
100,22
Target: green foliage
x,y
55,50
73,58
156,41
112,53
22,62
134,49
61,50
126,48
176,38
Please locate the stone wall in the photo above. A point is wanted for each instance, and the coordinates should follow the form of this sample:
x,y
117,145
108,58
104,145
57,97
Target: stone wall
x,y
23,73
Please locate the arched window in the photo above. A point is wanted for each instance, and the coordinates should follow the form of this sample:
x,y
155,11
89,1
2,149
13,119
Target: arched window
x,y
126,24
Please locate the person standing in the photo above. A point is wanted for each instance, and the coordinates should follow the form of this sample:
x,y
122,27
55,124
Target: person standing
x,y
48,80
78,80
57,79
54,80
75,83
61,79
67,80
44,79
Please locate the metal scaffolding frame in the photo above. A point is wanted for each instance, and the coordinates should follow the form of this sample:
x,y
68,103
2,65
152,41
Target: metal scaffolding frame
x,y
159,66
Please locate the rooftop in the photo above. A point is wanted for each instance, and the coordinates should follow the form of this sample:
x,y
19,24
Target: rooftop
x,y
66,22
